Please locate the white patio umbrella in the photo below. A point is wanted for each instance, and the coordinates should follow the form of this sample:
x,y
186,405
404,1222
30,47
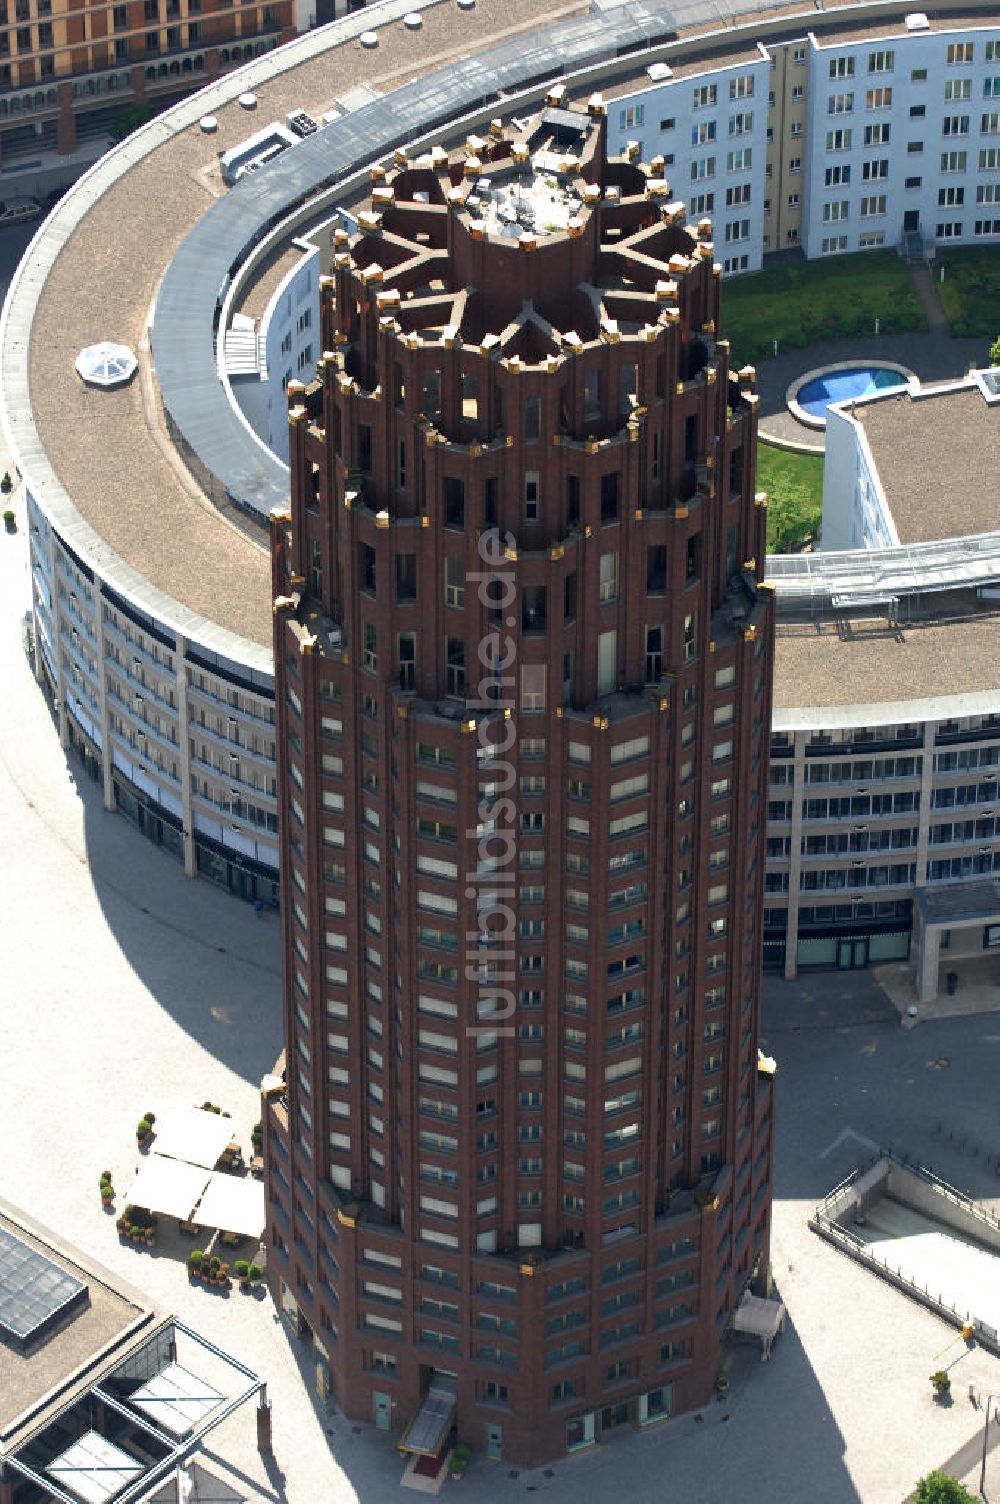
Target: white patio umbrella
x,y
106,364
233,1204
194,1135
167,1186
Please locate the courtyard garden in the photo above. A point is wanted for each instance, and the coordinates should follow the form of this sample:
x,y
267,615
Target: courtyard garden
x,y
809,301
970,292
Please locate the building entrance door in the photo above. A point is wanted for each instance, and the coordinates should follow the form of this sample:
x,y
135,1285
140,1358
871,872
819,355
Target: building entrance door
x,y
852,954
911,221
382,1405
494,1442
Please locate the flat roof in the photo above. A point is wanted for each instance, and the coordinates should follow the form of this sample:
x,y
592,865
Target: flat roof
x,y
938,457
824,664
143,504
269,277
950,21
38,1382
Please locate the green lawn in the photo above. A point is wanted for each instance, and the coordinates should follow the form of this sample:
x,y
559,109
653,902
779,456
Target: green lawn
x,y
837,297
794,486
970,292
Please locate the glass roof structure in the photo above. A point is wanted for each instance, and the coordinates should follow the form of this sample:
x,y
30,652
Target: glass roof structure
x,y
35,1293
106,364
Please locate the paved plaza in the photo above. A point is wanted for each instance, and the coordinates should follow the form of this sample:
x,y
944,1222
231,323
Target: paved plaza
x,y
127,987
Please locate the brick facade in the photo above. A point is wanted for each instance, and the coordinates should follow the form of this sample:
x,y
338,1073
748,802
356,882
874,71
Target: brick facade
x,y
523,670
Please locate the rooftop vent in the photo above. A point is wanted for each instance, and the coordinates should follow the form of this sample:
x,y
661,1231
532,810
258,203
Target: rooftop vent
x,y
917,21
659,71
300,123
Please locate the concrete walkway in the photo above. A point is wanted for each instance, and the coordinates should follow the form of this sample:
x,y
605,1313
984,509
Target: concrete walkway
x,y
978,989
925,287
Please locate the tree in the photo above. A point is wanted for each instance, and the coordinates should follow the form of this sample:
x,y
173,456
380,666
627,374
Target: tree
x,y
995,352
130,120
942,1488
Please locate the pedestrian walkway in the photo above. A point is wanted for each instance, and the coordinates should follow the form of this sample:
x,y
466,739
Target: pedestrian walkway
x,y
924,286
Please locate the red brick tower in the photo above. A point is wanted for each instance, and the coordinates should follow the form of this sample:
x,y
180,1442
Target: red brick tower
x,y
523,664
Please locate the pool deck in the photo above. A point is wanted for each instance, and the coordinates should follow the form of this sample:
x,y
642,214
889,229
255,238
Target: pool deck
x,y
841,382
932,357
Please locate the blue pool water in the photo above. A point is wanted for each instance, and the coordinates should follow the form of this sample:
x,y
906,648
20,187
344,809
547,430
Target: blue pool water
x,y
859,381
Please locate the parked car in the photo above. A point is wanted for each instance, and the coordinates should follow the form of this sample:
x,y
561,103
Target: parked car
x,y
14,211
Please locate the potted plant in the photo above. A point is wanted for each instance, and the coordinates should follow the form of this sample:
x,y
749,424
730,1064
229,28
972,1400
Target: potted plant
x,y
722,1382
6,484
107,1190
257,1136
941,1384
9,520
255,1274
143,1132
242,1271
194,1262
459,1460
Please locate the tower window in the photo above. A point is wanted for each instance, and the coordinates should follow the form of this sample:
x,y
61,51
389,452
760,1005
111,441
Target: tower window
x,y
455,667
454,502
407,662
406,577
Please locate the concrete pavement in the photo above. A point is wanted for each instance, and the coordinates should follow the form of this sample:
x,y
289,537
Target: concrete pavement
x,y
127,987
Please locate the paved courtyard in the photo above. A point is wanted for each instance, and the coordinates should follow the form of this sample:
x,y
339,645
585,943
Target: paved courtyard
x,y
126,987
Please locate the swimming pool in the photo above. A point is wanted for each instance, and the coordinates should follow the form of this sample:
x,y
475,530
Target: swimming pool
x,y
817,392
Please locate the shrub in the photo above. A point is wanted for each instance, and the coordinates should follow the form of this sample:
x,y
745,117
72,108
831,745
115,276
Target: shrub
x,y
142,1127
942,1488
242,1268
215,1262
254,1273
459,1460
940,1381
149,1117
195,1257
